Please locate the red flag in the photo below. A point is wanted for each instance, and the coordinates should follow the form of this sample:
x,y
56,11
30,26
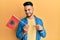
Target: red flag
x,y
13,22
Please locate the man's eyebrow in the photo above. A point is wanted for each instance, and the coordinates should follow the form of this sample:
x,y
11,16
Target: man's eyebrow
x,y
25,10
28,9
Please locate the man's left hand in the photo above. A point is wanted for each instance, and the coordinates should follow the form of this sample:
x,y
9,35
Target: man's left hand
x,y
38,27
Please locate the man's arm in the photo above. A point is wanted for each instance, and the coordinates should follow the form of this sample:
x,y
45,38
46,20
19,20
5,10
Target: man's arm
x,y
19,33
42,30
43,33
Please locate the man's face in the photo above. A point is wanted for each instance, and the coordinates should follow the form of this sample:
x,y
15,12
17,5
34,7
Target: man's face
x,y
28,10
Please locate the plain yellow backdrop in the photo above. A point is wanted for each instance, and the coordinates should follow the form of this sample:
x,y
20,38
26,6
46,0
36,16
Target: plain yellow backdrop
x,y
47,10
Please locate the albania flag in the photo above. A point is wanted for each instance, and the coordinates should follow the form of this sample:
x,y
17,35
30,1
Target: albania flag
x,y
13,22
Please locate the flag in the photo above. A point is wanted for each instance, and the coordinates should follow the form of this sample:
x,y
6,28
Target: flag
x,y
13,22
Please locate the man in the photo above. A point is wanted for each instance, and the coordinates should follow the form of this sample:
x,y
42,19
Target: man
x,y
30,27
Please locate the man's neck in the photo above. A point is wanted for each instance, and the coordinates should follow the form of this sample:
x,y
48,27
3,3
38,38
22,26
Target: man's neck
x,y
32,17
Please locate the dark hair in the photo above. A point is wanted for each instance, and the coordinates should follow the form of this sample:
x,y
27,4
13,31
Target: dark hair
x,y
28,3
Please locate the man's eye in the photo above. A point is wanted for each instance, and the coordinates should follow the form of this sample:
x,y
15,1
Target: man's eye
x,y
25,10
28,9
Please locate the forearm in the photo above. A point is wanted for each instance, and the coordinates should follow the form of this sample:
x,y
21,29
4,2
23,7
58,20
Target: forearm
x,y
43,33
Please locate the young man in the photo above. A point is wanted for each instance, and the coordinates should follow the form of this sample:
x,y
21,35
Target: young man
x,y
30,27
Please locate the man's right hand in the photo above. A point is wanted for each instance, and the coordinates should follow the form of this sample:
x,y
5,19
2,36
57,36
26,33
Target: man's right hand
x,y
25,29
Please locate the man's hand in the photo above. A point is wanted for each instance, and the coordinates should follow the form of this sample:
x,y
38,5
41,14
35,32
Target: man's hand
x,y
25,29
38,27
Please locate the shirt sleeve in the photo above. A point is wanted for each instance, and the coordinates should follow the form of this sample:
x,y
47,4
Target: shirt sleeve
x,y
19,33
43,32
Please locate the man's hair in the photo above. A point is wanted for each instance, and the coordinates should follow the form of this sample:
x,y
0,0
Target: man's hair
x,y
28,3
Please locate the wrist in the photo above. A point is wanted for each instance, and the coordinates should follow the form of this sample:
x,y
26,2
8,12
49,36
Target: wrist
x,y
24,32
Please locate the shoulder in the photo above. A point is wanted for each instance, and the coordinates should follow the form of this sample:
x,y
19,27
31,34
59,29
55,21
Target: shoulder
x,y
23,19
38,19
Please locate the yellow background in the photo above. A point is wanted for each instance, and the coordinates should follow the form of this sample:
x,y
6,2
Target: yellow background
x,y
47,10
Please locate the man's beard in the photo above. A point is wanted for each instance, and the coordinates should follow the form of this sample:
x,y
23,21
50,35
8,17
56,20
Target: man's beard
x,y
29,16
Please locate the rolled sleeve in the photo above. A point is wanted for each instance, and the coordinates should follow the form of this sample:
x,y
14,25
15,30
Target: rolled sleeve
x,y
43,33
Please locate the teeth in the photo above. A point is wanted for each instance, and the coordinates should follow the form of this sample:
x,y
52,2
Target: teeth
x,y
28,14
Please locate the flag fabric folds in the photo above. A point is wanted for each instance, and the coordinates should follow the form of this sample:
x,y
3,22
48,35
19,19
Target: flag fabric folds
x,y
13,22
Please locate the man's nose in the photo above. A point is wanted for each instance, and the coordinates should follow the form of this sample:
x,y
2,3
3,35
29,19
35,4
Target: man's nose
x,y
27,11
